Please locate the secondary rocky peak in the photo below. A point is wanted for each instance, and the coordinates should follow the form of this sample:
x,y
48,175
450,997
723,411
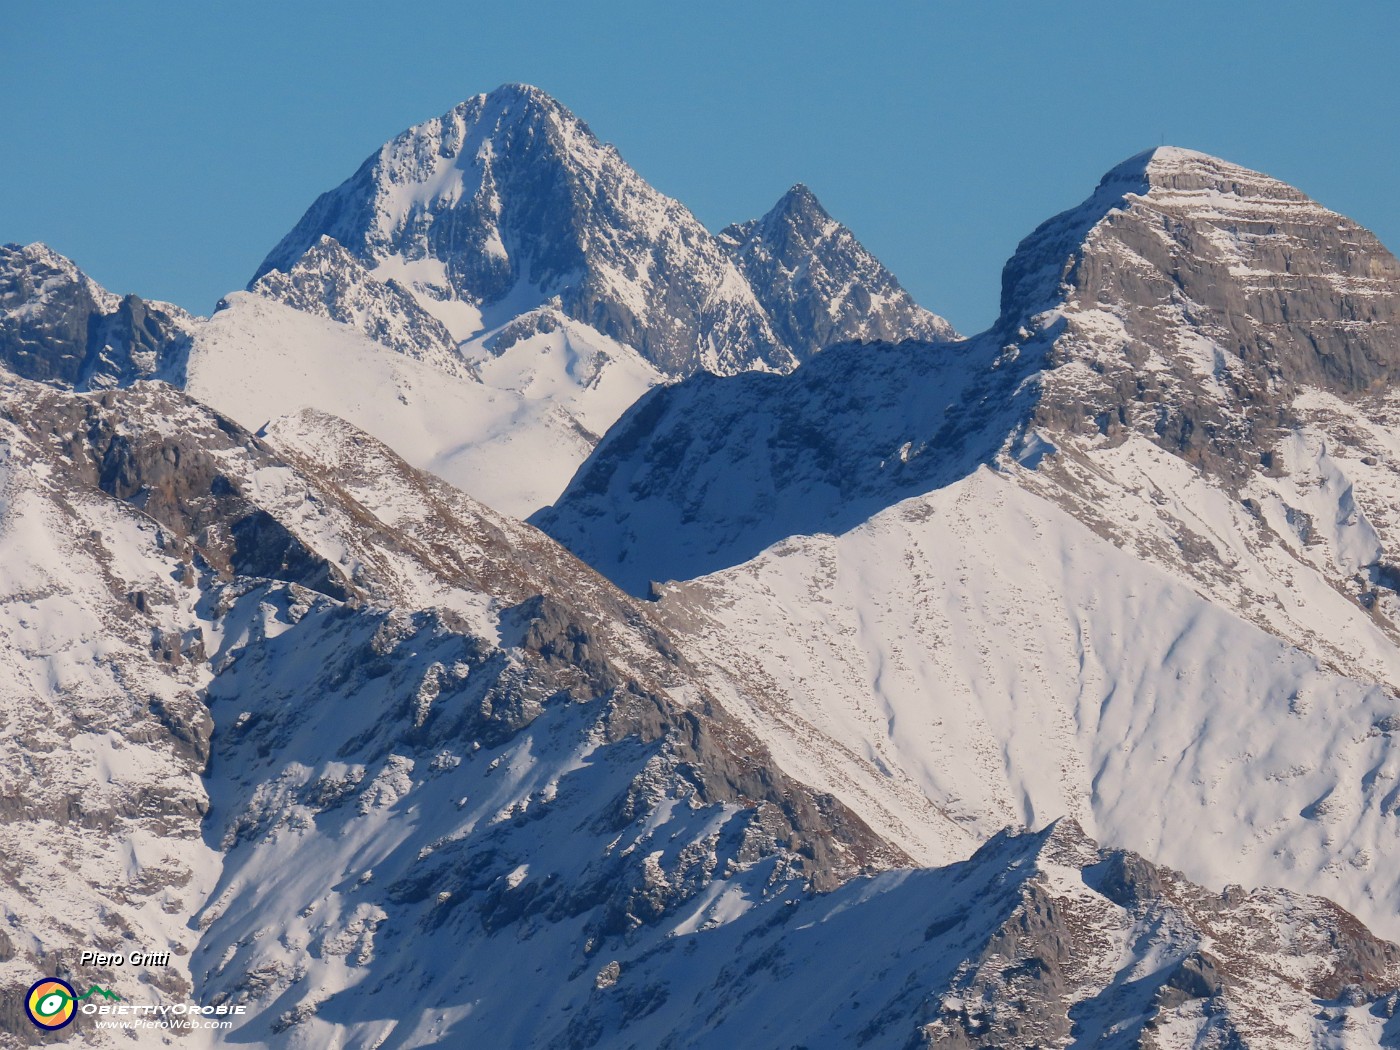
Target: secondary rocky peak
x,y
819,284
798,205
797,222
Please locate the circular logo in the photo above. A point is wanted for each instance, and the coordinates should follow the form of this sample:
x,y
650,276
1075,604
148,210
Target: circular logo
x,y
50,1003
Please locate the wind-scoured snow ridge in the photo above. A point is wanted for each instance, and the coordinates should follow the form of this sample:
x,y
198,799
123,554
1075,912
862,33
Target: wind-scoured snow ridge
x,y
819,285
1038,940
59,326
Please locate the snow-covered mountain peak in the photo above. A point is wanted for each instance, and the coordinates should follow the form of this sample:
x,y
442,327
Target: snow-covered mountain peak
x,y
428,164
800,197
799,206
508,200
1188,186
1162,170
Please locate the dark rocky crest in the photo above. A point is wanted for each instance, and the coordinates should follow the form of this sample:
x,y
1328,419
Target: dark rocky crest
x,y
819,285
58,326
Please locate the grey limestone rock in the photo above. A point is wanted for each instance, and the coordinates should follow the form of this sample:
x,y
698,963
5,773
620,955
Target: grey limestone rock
x,y
1190,299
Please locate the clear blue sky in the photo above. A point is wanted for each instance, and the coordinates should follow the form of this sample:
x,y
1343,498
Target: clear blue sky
x,y
166,146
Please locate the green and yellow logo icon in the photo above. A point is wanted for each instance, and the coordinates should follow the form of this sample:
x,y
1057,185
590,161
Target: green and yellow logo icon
x,y
51,1002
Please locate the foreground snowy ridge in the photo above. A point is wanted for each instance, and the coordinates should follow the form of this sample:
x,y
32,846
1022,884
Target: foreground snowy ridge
x,y
408,750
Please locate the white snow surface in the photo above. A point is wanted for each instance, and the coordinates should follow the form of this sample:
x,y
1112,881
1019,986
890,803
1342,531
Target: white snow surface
x,y
981,645
512,441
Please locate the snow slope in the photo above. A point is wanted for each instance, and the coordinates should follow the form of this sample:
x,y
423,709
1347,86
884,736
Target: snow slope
x,y
416,775
512,438
1128,556
704,474
234,674
982,645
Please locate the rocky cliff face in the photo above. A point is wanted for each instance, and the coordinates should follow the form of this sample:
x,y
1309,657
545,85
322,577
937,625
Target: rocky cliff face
x,y
1190,300
1100,947
59,326
819,285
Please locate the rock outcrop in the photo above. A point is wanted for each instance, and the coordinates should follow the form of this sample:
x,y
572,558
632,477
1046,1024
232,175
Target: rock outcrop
x,y
58,326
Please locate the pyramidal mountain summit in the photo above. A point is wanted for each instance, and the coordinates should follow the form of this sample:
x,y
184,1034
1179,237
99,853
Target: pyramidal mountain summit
x,y
507,204
522,617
